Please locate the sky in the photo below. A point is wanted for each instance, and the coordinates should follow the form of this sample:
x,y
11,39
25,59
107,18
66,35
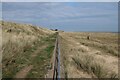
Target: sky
x,y
67,16
0,11
59,0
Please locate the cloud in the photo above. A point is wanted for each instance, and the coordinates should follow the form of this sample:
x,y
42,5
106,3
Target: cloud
x,y
63,14
0,11
60,0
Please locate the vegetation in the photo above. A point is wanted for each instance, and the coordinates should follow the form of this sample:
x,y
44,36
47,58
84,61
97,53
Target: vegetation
x,y
42,61
89,55
82,54
90,64
25,45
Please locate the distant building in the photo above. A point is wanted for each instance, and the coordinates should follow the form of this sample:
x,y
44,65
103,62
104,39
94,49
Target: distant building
x,y
57,30
54,29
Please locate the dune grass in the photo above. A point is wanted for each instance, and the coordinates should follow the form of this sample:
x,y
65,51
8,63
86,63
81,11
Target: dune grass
x,y
106,42
83,57
42,61
105,48
20,41
92,65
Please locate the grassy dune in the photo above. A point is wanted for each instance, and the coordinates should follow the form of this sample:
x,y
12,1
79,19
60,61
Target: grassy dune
x,y
89,55
26,45
27,51
107,42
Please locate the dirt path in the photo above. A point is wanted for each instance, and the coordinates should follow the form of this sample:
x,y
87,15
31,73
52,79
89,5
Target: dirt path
x,y
38,50
22,73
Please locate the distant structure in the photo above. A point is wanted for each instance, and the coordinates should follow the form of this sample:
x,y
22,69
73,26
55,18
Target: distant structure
x,y
57,30
88,37
54,29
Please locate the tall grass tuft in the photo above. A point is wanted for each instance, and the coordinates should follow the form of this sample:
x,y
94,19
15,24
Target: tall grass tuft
x,y
91,65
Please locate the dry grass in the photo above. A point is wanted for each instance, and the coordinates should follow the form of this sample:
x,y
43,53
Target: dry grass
x,y
0,52
107,42
94,57
91,65
20,41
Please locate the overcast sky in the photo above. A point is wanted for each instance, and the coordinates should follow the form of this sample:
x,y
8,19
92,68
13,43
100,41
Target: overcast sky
x,y
59,0
68,16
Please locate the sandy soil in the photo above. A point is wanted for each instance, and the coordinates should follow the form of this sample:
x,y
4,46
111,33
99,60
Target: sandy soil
x,y
23,73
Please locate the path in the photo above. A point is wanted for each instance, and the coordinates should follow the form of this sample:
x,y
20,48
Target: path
x,y
23,73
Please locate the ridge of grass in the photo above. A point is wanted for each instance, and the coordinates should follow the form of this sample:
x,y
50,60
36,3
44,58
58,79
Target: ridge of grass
x,y
42,61
89,64
19,43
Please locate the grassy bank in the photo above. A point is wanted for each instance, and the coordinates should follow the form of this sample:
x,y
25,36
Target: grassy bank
x,y
25,45
89,55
